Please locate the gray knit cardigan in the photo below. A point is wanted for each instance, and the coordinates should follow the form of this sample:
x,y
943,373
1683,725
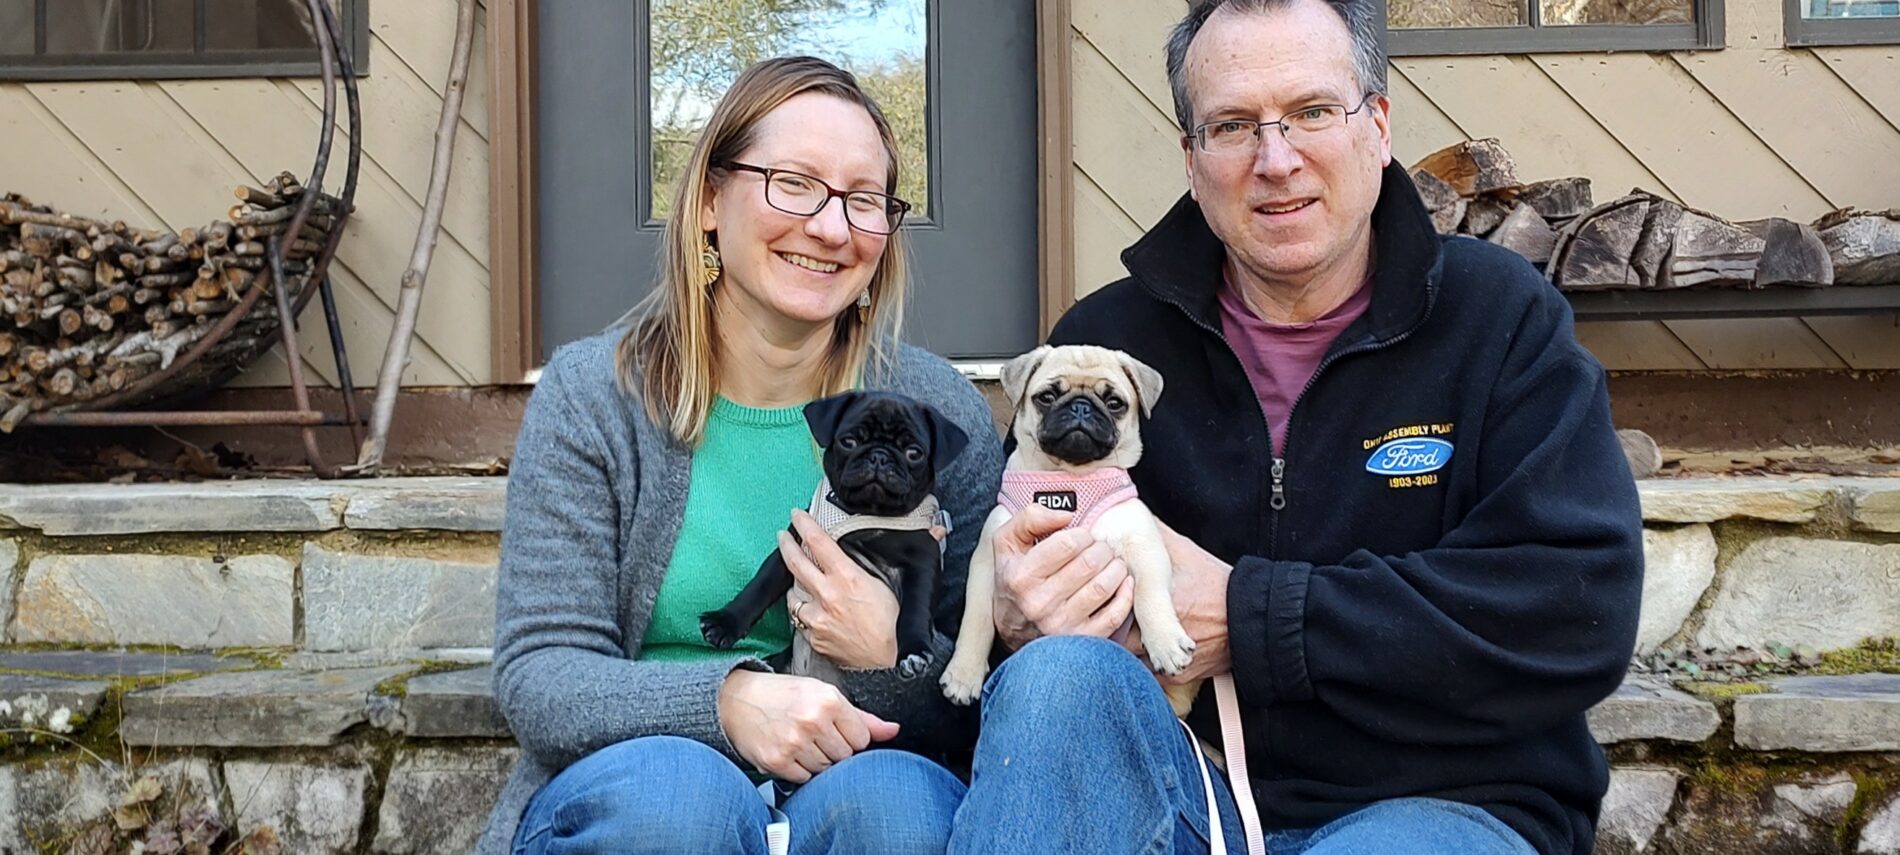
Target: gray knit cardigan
x,y
596,493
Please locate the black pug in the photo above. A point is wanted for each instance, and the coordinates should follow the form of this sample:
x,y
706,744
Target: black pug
x,y
882,455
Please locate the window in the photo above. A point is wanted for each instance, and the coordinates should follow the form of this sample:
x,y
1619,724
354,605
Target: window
x,y
622,89
694,54
116,39
1439,27
1842,22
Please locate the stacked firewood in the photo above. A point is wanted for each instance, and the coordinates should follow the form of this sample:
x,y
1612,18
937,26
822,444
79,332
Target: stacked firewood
x,y
1644,241
88,308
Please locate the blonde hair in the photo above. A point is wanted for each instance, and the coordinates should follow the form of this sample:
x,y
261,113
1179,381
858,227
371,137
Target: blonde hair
x,y
666,356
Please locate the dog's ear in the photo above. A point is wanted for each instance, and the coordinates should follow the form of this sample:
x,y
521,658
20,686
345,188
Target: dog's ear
x,y
946,439
1147,381
824,415
1016,374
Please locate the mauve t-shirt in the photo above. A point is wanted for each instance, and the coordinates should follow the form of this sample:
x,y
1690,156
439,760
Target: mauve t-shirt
x,y
1281,358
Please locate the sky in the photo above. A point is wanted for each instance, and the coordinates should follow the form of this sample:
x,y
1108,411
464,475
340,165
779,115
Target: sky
x,y
900,28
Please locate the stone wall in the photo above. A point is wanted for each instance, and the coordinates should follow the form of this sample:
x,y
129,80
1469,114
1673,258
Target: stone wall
x,y
342,701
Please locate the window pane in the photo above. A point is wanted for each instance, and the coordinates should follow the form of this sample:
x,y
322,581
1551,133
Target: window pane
x,y
117,26
699,47
1409,14
16,27
1850,8
258,24
1560,12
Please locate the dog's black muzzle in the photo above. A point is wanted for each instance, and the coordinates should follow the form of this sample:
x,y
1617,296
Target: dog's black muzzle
x,y
876,481
1077,431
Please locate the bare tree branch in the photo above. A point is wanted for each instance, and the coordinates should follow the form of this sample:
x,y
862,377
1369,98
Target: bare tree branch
x,y
409,303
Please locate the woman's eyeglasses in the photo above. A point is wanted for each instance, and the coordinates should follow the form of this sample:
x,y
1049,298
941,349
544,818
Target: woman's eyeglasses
x,y
802,195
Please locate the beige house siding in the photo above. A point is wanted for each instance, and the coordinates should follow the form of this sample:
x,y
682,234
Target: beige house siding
x,y
1751,131
167,153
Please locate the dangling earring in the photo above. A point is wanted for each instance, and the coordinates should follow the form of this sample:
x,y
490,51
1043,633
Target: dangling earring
x,y
864,305
709,260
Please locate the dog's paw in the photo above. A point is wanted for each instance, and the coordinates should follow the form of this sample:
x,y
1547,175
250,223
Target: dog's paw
x,y
962,681
915,665
720,629
1170,654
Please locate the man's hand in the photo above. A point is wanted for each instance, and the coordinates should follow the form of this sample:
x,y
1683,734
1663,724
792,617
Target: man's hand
x,y
1055,582
1200,598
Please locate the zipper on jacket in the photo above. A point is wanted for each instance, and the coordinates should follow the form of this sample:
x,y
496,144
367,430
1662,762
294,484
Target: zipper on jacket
x,y
1279,466
1279,463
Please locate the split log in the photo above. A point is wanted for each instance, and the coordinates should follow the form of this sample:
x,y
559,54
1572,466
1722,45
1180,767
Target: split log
x,y
1485,214
207,287
1593,253
1448,220
254,196
105,296
1650,259
48,241
1525,232
1558,198
167,280
322,214
15,215
1712,251
1433,191
1472,167
1792,254
1864,246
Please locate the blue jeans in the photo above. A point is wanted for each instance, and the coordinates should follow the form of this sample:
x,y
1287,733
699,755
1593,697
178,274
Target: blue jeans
x,y
1079,753
665,794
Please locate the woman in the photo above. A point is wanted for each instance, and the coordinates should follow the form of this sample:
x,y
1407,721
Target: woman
x,y
656,465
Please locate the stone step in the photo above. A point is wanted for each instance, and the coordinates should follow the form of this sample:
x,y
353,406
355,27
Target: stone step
x,y
1860,712
296,739
408,563
477,504
318,700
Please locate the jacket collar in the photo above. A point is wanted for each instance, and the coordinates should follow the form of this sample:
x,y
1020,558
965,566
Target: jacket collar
x,y
1179,260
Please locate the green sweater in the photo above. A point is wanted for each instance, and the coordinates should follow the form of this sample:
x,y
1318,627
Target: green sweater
x,y
752,468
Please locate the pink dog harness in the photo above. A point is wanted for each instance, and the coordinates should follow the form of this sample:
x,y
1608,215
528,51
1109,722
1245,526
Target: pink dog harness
x,y
1086,496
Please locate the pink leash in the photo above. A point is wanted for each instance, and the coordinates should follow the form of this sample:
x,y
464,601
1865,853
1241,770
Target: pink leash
x,y
1234,743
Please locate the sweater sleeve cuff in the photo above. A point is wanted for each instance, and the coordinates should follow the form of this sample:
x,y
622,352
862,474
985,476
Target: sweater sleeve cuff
x,y
1266,631
701,724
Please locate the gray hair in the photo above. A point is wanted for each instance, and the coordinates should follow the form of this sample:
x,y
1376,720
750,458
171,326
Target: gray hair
x,y
1360,16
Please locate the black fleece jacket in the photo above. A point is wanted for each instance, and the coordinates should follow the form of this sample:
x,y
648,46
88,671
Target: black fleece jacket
x,y
1444,571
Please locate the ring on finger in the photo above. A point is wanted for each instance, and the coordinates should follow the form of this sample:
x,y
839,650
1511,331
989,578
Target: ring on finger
x,y
798,623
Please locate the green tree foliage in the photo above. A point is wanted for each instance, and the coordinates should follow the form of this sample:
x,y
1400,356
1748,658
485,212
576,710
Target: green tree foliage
x,y
698,48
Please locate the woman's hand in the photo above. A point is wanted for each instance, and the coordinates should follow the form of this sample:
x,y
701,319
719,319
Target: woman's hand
x,y
794,727
851,617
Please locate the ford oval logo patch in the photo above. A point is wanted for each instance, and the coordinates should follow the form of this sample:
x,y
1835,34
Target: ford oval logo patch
x,y
1409,457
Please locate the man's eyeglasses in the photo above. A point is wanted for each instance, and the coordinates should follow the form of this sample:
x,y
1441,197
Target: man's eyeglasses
x,y
801,195
1300,128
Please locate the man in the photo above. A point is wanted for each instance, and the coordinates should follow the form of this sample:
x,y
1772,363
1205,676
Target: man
x,y
1404,523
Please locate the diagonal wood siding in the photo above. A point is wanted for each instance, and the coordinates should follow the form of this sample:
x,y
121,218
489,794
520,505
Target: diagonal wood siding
x,y
1751,131
167,153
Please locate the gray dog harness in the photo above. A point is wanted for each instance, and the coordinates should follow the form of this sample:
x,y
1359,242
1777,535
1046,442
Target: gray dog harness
x,y
838,522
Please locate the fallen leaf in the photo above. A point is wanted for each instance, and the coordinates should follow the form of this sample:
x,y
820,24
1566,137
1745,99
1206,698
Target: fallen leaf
x,y
145,789
130,818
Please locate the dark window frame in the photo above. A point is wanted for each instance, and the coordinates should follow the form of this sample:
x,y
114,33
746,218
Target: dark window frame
x,y
178,65
1707,32
1817,32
